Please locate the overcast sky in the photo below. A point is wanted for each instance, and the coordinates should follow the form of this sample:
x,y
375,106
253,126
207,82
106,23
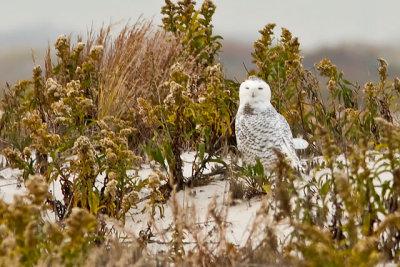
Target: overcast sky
x,y
315,22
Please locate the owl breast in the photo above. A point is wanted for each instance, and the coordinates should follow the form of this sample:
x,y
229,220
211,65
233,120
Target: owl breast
x,y
257,133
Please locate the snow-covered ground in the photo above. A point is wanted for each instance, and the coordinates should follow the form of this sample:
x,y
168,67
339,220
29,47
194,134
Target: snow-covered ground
x,y
195,206
194,203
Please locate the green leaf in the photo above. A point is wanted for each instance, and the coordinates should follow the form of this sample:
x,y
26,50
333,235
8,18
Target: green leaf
x,y
218,160
325,188
157,155
266,188
201,148
57,69
258,168
94,201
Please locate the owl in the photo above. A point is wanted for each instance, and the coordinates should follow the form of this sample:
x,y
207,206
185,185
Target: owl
x,y
261,130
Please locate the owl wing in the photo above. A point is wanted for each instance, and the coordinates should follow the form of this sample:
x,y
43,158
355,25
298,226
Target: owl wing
x,y
287,142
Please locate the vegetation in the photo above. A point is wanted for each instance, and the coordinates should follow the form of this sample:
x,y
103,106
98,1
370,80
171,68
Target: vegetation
x,y
91,119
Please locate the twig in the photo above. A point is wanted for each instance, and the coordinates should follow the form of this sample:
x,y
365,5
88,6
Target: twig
x,y
8,184
216,172
244,65
185,243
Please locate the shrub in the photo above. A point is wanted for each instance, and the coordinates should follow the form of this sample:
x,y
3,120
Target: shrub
x,y
199,108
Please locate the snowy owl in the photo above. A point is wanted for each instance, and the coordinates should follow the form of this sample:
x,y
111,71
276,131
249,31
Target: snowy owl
x,y
260,128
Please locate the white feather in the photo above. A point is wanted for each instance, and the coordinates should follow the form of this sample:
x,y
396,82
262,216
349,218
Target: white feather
x,y
300,143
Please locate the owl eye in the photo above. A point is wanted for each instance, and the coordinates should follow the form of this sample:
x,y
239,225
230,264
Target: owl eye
x,y
260,88
247,87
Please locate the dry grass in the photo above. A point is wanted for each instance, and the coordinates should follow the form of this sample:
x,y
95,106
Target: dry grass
x,y
134,65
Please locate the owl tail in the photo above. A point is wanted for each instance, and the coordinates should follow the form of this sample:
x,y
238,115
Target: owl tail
x,y
290,153
300,143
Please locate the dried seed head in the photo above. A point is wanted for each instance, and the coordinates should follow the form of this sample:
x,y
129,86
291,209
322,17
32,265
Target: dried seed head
x,y
294,43
175,88
103,125
96,52
161,176
385,124
326,68
31,233
192,86
78,47
63,121
382,69
127,131
111,189
79,71
85,105
7,245
53,89
130,200
214,70
74,89
61,44
128,154
13,158
53,232
104,133
3,231
202,99
332,84
369,90
60,108
83,146
111,157
38,188
214,75
108,143
34,121
351,113
154,180
266,34
293,64
112,176
79,222
176,68
169,100
396,85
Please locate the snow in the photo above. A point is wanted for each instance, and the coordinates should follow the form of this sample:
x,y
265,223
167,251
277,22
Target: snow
x,y
10,184
194,203
242,219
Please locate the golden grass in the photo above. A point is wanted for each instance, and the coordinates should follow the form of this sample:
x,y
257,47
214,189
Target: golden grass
x,y
134,65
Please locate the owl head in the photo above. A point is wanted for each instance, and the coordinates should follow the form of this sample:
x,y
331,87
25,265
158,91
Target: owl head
x,y
254,90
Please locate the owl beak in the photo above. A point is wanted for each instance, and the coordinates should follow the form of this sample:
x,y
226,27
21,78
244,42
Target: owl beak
x,y
252,94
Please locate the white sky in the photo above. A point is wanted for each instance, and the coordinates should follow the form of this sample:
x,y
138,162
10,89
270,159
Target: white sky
x,y
315,22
